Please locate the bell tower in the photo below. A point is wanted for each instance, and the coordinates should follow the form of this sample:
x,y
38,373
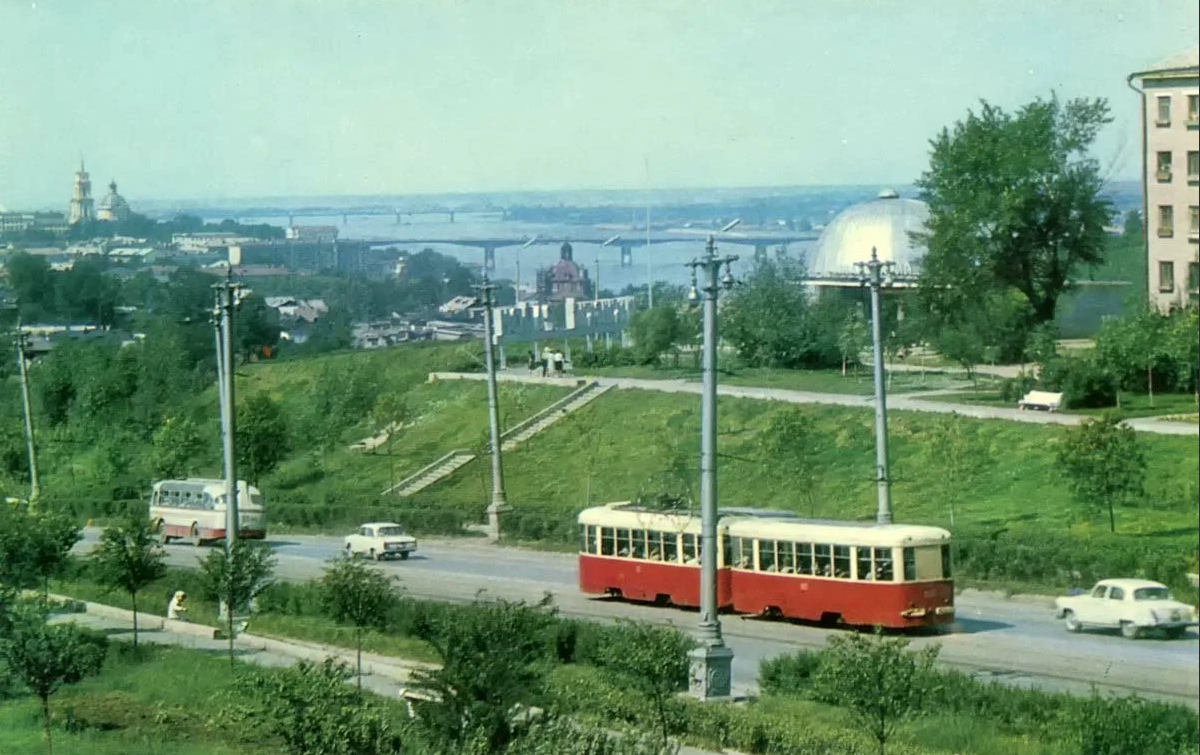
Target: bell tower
x,y
81,201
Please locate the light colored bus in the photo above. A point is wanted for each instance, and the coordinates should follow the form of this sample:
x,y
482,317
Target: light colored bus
x,y
194,509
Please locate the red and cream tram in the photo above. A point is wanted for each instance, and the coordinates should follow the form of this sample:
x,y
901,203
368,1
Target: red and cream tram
x,y
769,563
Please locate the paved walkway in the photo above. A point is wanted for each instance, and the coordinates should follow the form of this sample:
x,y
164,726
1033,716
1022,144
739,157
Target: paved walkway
x,y
902,402
382,675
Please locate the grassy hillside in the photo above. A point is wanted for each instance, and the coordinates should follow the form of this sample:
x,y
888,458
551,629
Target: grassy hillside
x,y
629,442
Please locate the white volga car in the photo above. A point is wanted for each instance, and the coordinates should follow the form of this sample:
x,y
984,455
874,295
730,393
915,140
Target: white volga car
x,y
1135,606
381,540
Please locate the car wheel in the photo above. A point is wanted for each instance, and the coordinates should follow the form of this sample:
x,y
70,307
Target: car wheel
x,y
1129,630
1070,622
1174,633
404,556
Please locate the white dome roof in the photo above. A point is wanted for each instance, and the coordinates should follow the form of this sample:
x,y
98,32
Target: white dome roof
x,y
883,224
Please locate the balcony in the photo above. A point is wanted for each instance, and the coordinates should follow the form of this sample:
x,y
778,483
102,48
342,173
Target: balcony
x,y
1163,176
1166,231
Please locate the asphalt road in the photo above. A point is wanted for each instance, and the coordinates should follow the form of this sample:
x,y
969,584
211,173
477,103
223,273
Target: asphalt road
x,y
1016,641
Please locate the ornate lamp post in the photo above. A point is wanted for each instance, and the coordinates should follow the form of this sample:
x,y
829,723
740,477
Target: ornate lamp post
x,y
712,661
877,274
498,504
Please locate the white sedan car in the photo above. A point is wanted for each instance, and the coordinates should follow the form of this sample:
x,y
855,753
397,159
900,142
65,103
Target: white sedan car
x,y
381,540
1135,606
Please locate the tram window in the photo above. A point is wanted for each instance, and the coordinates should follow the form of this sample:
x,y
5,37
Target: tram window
x,y
910,564
883,565
824,561
947,566
638,549
727,551
670,549
804,558
691,554
608,541
787,557
733,551
583,538
841,561
623,543
654,545
863,562
766,556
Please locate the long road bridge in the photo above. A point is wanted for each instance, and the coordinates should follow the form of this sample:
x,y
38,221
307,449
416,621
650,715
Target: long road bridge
x,y
760,241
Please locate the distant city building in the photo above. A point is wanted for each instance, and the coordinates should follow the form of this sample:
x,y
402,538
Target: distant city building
x,y
1171,177
291,308
81,201
205,243
312,232
883,224
113,208
565,280
21,222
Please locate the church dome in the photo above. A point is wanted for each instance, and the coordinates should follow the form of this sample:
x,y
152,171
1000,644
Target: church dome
x,y
884,223
113,206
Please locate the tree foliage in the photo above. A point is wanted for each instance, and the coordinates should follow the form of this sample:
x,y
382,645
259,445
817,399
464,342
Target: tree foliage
x,y
877,678
771,322
175,447
262,436
1104,464
356,594
654,661
129,558
956,448
34,547
236,579
656,332
1110,725
790,439
1016,203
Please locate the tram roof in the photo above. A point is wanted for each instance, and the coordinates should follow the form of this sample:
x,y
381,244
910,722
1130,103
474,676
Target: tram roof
x,y
836,532
627,515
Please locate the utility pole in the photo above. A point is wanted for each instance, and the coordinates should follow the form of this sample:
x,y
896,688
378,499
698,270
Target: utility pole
x,y
498,504
35,484
877,274
228,299
712,660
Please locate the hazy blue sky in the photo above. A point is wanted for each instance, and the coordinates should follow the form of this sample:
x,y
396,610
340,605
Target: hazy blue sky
x,y
251,98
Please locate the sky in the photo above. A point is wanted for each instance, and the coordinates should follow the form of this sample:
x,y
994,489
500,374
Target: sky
x,y
226,99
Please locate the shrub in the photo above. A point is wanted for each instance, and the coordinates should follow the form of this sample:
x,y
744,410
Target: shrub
x,y
1083,382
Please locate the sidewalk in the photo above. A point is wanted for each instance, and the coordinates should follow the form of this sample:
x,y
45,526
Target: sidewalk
x,y
383,675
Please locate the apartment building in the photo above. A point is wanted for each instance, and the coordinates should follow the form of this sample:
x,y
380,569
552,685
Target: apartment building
x,y
1170,94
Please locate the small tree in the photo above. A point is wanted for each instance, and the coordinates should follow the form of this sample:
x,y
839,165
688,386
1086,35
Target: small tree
x,y
35,548
262,436
877,678
655,332
1103,462
44,656
354,593
310,709
130,558
958,452
789,440
175,446
492,663
654,661
236,579
853,337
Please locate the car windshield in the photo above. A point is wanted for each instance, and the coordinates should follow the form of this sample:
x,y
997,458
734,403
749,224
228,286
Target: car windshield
x,y
386,531
1151,593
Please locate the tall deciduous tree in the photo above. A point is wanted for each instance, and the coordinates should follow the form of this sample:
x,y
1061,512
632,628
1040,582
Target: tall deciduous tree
x,y
236,579
262,436
771,323
1104,464
175,447
129,558
356,594
789,441
45,656
655,332
1015,203
877,678
956,449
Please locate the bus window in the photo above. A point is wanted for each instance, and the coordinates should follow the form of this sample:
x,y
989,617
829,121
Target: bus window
x,y
883,565
804,558
608,541
841,561
623,543
638,549
863,562
691,554
766,556
787,557
946,565
910,564
670,553
824,561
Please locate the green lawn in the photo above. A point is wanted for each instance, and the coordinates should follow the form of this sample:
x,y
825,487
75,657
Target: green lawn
x,y
628,440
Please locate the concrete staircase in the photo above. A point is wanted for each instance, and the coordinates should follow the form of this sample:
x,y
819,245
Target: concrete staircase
x,y
428,475
576,400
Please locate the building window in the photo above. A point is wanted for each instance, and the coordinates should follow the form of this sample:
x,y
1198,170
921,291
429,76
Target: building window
x,y
1166,220
1193,109
1193,165
1164,110
1166,277
1164,166
1193,220
1194,277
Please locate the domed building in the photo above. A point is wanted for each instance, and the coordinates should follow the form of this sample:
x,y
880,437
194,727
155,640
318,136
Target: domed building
x,y
884,224
566,280
112,208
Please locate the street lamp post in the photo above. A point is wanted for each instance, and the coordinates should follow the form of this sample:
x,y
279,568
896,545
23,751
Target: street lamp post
x,y
498,504
877,274
712,660
227,301
35,483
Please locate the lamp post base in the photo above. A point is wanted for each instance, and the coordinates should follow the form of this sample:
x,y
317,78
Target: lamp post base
x,y
711,672
494,510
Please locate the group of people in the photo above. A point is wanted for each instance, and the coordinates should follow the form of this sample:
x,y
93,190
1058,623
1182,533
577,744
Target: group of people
x,y
552,362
